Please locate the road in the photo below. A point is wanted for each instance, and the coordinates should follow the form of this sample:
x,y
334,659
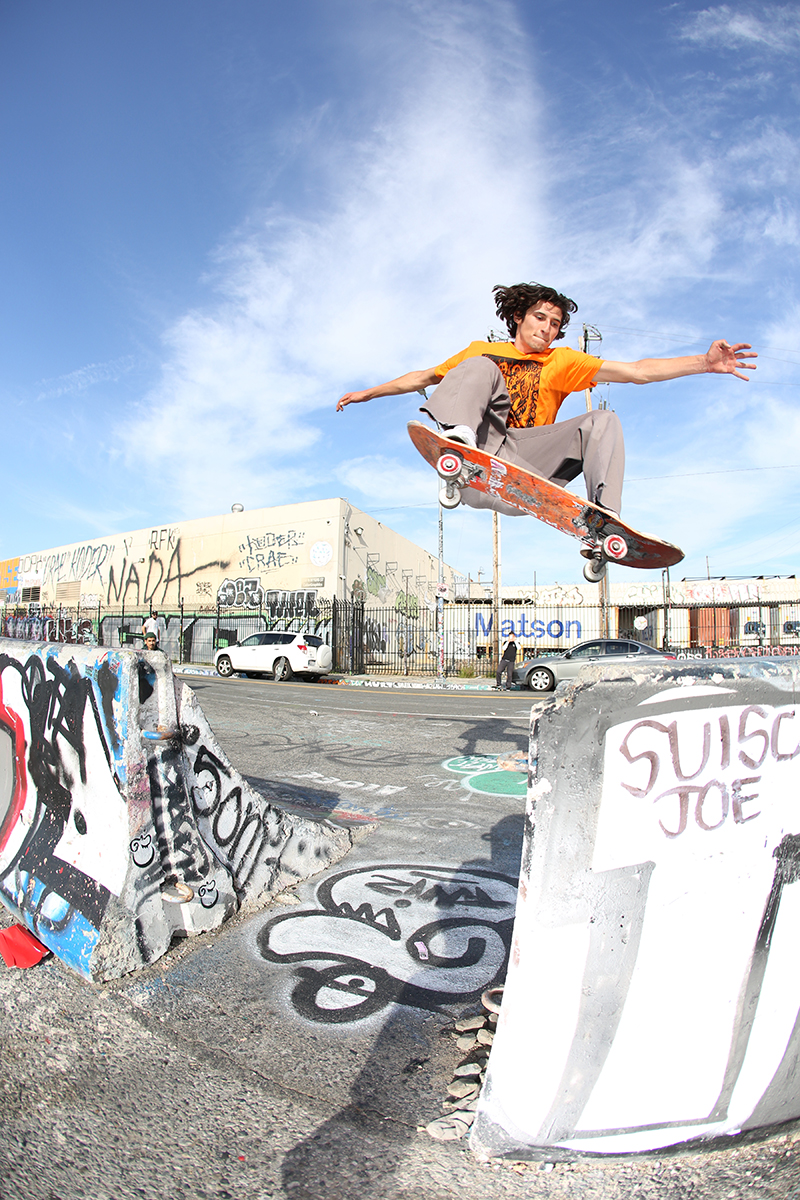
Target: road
x,y
299,1052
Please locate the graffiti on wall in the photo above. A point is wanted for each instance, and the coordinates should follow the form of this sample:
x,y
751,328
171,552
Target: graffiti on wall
x,y
118,575
248,593
40,628
58,731
422,936
9,573
270,551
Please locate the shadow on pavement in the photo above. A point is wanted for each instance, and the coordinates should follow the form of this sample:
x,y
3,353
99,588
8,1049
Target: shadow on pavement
x,y
462,919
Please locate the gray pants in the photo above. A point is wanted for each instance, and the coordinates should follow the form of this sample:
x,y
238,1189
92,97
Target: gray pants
x,y
505,667
474,393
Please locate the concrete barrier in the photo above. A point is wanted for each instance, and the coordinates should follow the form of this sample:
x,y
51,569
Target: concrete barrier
x,y
122,823
653,997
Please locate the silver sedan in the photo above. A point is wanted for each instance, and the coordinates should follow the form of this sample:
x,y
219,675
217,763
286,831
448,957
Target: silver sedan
x,y
542,674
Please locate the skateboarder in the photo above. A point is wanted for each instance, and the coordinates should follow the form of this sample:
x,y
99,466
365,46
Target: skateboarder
x,y
503,397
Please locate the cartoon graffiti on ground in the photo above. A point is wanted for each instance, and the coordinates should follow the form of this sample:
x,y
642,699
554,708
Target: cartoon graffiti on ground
x,y
488,774
423,936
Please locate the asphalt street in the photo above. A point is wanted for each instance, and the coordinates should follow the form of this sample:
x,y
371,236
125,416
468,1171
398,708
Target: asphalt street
x,y
301,1050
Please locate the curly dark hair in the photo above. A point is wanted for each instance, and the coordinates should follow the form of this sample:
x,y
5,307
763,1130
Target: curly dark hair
x,y
513,302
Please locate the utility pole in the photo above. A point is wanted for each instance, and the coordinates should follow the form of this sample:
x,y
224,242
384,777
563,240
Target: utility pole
x,y
440,600
592,334
496,587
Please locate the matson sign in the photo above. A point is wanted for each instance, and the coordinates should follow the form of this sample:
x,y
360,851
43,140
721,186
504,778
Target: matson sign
x,y
528,626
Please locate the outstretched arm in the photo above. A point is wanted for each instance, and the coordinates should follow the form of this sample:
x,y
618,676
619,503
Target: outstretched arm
x,y
721,359
412,381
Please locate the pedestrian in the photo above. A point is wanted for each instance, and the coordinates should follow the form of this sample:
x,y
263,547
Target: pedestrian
x,y
150,624
506,663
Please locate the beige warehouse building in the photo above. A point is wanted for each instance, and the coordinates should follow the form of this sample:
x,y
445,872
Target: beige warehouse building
x,y
302,553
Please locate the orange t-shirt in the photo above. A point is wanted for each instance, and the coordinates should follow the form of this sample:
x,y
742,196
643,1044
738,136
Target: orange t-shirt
x,y
537,383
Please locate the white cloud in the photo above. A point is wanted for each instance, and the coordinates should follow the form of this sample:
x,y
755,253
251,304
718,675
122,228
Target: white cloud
x,y
446,189
378,480
84,377
419,211
772,27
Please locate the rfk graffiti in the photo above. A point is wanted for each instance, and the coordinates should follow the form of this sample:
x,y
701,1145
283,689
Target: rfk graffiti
x,y
423,936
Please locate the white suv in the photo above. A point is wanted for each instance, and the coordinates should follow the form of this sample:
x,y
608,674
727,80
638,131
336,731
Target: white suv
x,y
282,655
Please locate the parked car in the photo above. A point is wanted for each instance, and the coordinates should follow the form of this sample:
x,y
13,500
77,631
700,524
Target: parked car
x,y
281,655
542,674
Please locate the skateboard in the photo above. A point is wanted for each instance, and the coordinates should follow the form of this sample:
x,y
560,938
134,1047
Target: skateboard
x,y
606,537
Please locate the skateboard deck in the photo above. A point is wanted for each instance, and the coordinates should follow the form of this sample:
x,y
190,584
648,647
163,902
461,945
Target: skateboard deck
x,y
608,538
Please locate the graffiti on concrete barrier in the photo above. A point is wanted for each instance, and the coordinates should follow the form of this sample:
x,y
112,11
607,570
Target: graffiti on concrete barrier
x,y
703,773
58,732
242,832
422,936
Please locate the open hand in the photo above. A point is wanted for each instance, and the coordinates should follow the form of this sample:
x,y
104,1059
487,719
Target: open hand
x,y
723,359
353,398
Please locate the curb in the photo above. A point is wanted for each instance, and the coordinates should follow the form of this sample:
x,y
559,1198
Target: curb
x,y
419,685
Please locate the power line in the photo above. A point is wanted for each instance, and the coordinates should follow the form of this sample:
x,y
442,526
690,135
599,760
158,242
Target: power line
x,y
729,471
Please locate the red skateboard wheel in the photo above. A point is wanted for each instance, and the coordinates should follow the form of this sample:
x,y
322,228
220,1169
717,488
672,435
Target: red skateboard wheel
x,y
615,546
449,464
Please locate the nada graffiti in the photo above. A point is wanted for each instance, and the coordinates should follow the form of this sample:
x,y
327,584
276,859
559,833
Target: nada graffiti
x,y
57,730
422,936
131,580
150,582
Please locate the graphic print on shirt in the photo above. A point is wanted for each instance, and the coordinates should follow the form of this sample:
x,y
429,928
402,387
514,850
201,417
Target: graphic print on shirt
x,y
522,383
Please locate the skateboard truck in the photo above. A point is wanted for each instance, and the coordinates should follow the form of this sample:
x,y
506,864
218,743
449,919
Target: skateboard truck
x,y
612,548
450,468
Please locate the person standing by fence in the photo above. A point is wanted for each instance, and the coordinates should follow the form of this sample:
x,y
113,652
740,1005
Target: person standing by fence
x,y
506,663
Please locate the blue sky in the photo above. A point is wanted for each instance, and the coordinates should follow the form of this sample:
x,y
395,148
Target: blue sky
x,y
218,217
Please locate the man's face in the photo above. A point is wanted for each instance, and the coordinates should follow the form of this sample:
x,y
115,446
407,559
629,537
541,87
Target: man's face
x,y
538,327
